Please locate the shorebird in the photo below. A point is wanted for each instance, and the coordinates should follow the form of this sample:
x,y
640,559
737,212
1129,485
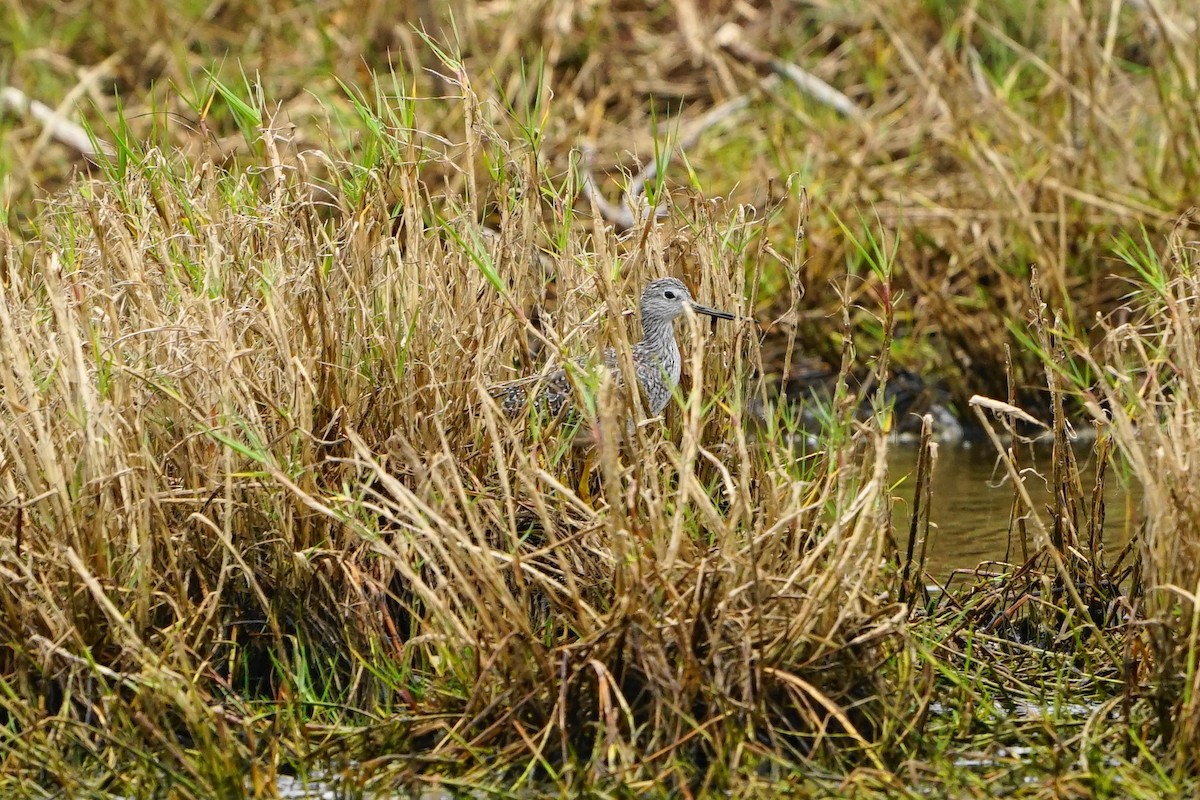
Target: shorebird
x,y
656,358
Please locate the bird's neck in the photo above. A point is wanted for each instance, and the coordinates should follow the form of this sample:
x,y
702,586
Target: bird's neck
x,y
658,346
658,333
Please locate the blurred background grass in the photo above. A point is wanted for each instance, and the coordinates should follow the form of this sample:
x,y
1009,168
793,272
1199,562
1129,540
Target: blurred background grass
x,y
992,137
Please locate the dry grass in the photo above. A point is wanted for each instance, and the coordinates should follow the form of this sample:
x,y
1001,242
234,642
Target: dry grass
x,y
259,513
1148,391
251,460
995,136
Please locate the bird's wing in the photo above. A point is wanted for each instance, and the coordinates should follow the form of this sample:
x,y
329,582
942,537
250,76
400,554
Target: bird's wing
x,y
551,390
550,376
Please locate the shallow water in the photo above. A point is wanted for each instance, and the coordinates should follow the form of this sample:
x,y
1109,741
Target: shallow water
x,y
973,498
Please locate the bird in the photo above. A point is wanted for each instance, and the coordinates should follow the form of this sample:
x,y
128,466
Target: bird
x,y
656,358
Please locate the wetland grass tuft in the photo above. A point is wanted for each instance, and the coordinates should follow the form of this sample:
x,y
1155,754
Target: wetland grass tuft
x,y
1147,394
262,505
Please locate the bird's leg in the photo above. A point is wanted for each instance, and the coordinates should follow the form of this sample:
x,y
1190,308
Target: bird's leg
x,y
587,437
584,489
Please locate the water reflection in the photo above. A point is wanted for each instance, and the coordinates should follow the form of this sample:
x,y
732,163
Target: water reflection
x,y
973,500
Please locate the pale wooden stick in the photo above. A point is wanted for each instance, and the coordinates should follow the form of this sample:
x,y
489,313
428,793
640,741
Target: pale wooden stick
x,y
62,129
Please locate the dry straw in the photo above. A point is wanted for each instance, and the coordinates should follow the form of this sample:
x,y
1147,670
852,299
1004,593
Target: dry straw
x,y
248,454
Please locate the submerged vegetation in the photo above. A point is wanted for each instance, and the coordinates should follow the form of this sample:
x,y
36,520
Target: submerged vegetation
x,y
262,519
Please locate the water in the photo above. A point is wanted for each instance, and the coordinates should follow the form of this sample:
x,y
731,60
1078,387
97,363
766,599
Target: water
x,y
973,498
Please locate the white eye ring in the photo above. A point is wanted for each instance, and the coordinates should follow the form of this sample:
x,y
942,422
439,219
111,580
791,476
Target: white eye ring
x,y
669,295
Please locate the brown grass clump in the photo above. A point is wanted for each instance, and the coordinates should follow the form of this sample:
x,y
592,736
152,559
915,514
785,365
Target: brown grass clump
x,y
257,499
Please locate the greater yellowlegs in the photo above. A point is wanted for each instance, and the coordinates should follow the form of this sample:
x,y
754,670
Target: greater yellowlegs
x,y
656,359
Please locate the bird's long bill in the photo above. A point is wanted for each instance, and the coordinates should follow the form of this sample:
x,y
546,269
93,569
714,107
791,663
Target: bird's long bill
x,y
712,312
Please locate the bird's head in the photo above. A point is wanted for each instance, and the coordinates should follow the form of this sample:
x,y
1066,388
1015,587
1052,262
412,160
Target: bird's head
x,y
665,299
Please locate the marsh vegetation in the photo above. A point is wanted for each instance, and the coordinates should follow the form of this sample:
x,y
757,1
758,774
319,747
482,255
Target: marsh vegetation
x,y
260,515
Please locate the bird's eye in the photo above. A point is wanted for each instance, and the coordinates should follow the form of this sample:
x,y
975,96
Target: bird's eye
x,y
669,295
